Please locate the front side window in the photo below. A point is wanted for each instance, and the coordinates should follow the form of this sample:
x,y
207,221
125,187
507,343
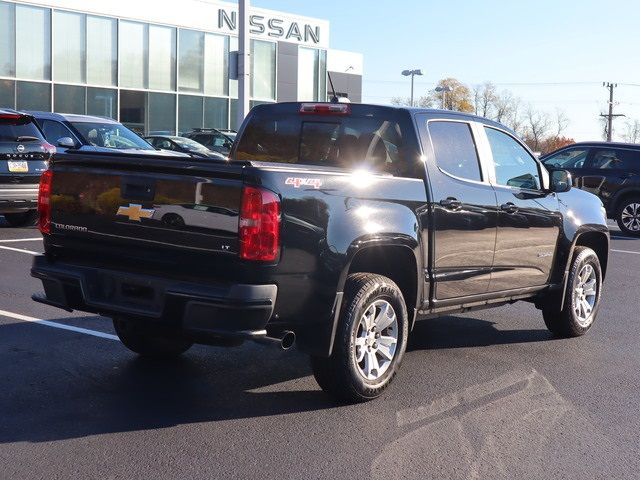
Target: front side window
x,y
611,159
571,158
455,150
515,167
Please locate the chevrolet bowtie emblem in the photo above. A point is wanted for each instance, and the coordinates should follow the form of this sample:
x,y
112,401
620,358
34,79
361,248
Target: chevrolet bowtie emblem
x,y
135,212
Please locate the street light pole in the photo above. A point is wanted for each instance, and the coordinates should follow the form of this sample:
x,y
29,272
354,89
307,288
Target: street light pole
x,y
444,91
411,73
244,60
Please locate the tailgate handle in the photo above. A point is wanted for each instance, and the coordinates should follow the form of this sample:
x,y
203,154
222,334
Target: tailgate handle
x,y
133,189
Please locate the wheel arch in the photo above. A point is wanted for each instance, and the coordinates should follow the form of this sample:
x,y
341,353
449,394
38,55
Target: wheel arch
x,y
399,262
596,240
620,197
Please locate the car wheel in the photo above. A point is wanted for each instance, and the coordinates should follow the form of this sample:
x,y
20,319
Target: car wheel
x,y
370,341
23,219
628,216
149,342
581,300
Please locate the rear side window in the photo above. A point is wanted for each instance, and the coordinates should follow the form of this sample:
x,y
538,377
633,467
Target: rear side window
x,y
372,141
614,159
455,149
19,130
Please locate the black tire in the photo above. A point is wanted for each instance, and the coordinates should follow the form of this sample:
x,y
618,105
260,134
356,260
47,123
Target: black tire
x,y
565,322
149,342
627,204
339,375
22,219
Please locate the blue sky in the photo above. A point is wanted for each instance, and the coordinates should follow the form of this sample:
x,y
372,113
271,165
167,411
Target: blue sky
x,y
519,46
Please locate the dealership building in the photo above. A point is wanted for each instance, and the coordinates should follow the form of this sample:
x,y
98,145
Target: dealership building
x,y
162,66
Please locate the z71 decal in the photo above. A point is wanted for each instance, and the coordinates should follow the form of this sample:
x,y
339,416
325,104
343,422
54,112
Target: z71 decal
x,y
297,182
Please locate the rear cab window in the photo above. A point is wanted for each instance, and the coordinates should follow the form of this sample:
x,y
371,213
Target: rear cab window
x,y
368,137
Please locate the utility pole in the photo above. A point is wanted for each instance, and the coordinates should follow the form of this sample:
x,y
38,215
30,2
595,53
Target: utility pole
x,y
244,60
610,116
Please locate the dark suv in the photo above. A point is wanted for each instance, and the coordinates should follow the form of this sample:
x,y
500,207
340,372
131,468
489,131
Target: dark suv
x,y
215,140
609,170
24,154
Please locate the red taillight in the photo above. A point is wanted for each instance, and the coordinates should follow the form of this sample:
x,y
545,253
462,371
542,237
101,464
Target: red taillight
x,y
325,109
259,225
10,116
44,202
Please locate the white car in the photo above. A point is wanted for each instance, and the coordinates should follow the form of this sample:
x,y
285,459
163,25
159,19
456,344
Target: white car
x,y
196,215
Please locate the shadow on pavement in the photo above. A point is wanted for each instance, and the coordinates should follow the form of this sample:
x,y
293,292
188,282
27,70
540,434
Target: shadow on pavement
x,y
462,332
60,385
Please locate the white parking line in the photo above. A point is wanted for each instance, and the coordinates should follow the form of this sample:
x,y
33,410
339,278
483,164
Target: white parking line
x,y
18,240
625,251
615,237
30,252
61,326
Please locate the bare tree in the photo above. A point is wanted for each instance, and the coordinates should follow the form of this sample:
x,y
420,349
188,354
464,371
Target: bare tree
x,y
537,125
485,97
632,133
425,101
562,122
503,106
513,118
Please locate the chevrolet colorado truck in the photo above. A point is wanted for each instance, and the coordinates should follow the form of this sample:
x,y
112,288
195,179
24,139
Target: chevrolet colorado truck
x,y
334,226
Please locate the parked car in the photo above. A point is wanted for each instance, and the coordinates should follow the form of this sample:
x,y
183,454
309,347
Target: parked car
x,y
609,170
214,139
183,145
336,226
24,155
92,134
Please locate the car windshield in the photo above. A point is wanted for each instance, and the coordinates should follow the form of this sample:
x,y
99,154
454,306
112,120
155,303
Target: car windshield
x,y
573,158
110,135
190,145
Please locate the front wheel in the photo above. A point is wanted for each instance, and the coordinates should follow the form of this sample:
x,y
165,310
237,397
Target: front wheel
x,y
370,342
628,216
23,219
147,341
581,300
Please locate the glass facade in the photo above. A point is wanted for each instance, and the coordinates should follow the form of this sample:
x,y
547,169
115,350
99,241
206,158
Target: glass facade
x,y
154,78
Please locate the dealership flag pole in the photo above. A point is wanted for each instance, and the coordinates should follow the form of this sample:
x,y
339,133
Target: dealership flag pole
x,y
244,62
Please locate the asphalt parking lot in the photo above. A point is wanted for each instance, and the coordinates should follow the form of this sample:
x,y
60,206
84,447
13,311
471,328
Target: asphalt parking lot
x,y
484,395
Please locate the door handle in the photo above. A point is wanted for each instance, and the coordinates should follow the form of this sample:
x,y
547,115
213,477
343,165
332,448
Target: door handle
x,y
451,203
509,207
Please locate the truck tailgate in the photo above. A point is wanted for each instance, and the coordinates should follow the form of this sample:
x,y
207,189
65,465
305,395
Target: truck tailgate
x,y
178,205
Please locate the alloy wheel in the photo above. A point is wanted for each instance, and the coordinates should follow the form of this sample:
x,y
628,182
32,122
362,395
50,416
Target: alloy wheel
x,y
376,340
584,295
631,217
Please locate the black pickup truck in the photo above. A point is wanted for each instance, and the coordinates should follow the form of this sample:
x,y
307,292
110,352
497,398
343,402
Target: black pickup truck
x,y
334,226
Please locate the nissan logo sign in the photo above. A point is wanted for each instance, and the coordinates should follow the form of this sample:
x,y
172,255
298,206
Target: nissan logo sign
x,y
20,148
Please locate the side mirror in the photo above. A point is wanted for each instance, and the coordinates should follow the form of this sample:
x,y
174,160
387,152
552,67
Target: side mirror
x,y
66,142
561,181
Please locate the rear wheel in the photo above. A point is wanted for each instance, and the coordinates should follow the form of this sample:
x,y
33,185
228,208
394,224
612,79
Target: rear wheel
x,y
582,297
370,341
149,342
22,219
628,216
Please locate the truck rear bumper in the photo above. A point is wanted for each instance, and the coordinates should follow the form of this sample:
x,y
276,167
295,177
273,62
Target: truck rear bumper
x,y
226,310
